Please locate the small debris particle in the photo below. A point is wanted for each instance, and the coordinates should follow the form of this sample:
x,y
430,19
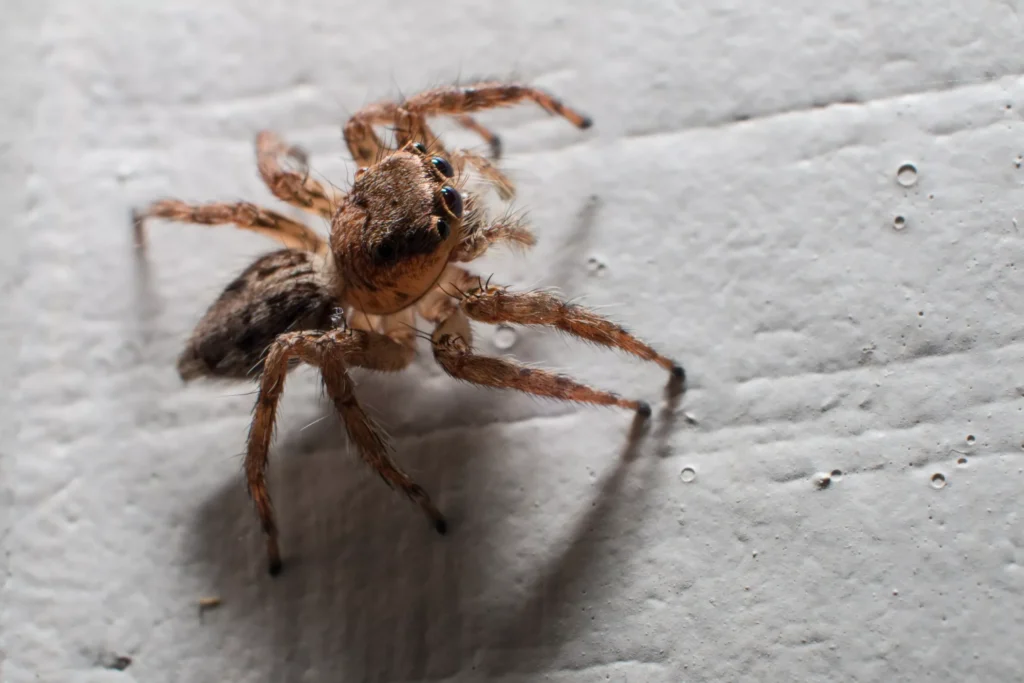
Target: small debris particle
x,y
116,662
208,603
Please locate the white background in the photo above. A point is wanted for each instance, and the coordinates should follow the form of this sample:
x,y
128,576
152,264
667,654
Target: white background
x,y
733,204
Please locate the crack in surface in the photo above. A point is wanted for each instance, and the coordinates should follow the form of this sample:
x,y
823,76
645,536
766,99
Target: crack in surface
x,y
933,88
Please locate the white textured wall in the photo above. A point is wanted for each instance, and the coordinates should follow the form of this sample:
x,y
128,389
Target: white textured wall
x,y
739,189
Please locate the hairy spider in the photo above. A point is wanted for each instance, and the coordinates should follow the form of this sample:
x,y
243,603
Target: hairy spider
x,y
395,241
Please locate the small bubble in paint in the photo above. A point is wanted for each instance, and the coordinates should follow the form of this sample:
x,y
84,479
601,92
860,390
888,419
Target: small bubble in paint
x,y
938,480
688,474
906,175
970,439
822,480
961,461
899,222
596,266
504,337
836,475
124,172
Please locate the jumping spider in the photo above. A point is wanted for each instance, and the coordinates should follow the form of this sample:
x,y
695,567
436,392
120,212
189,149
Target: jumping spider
x,y
395,241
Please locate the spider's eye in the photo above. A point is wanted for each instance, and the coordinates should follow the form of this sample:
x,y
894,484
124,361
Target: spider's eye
x,y
443,166
384,252
419,147
453,200
443,228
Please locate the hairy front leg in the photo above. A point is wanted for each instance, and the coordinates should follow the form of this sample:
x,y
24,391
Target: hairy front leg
x,y
244,215
491,304
331,352
452,343
298,189
456,357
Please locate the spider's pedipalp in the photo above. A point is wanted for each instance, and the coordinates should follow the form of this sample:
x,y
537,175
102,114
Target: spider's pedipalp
x,y
488,172
479,237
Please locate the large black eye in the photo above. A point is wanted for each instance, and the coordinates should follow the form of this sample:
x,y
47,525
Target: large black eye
x,y
384,253
443,166
453,200
443,228
419,147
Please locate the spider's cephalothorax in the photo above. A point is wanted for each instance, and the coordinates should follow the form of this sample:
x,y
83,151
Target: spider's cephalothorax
x,y
395,231
396,240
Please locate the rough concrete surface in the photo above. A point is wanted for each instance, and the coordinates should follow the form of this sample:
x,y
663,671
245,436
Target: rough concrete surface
x,y
734,203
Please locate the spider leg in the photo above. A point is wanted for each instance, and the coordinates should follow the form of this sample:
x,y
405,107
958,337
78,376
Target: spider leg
x,y
409,116
331,352
489,136
452,343
491,304
363,143
413,127
295,188
459,100
247,216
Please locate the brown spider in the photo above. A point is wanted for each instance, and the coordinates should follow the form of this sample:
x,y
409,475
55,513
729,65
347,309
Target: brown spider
x,y
394,243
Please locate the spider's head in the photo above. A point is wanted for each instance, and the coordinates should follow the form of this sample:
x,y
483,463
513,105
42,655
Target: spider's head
x,y
394,233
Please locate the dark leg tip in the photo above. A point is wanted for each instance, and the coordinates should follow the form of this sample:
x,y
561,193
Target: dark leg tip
x,y
441,526
275,567
643,409
138,229
586,122
495,147
678,372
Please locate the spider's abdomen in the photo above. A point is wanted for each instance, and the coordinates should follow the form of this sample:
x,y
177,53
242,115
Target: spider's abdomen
x,y
281,292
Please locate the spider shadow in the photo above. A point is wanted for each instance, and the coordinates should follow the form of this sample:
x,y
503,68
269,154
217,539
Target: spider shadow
x,y
566,273
526,637
370,590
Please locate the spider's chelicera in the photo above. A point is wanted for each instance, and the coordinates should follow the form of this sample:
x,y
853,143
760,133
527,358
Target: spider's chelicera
x,y
396,241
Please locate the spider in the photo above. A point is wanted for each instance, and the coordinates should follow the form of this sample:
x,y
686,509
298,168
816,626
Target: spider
x,y
396,241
